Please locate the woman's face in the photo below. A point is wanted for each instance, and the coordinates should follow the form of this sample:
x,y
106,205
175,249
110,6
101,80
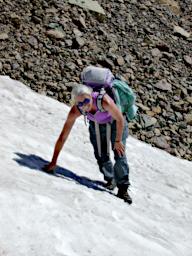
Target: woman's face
x,y
84,102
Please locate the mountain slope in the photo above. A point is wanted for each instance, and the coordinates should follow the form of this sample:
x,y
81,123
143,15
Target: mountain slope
x,y
70,214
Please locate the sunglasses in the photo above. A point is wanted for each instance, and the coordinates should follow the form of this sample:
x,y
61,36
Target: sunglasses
x,y
82,103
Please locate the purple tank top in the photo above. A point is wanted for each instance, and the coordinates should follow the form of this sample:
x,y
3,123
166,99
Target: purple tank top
x,y
99,117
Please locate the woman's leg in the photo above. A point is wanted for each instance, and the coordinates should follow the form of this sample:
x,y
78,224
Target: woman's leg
x,y
121,167
104,162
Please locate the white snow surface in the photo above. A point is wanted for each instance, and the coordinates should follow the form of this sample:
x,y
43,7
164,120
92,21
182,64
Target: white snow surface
x,y
69,214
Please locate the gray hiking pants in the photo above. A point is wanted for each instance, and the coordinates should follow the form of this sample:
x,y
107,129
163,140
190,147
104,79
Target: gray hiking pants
x,y
120,170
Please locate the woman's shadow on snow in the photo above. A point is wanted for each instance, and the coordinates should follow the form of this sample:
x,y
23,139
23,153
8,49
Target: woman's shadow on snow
x,y
37,163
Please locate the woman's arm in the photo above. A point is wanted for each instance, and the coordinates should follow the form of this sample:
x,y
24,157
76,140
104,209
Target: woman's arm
x,y
72,116
109,105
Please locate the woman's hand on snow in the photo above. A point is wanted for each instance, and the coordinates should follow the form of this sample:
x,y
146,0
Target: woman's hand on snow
x,y
49,168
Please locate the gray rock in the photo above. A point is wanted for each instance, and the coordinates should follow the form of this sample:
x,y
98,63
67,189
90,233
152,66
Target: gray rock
x,y
157,132
77,32
70,66
69,42
143,107
54,25
57,34
188,118
50,93
128,58
179,116
18,57
149,134
113,47
106,62
181,32
178,106
33,42
78,42
156,53
188,99
168,55
15,66
29,75
130,19
157,109
36,19
120,61
187,59
163,85
3,36
82,22
161,142
183,125
148,121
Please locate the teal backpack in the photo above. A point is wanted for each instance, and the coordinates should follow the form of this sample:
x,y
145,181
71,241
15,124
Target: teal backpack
x,y
103,81
125,99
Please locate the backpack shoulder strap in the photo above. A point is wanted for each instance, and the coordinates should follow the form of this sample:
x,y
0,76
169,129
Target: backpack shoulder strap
x,y
100,100
111,93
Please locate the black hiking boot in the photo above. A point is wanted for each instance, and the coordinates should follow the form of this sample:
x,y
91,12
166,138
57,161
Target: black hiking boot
x,y
123,194
110,185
